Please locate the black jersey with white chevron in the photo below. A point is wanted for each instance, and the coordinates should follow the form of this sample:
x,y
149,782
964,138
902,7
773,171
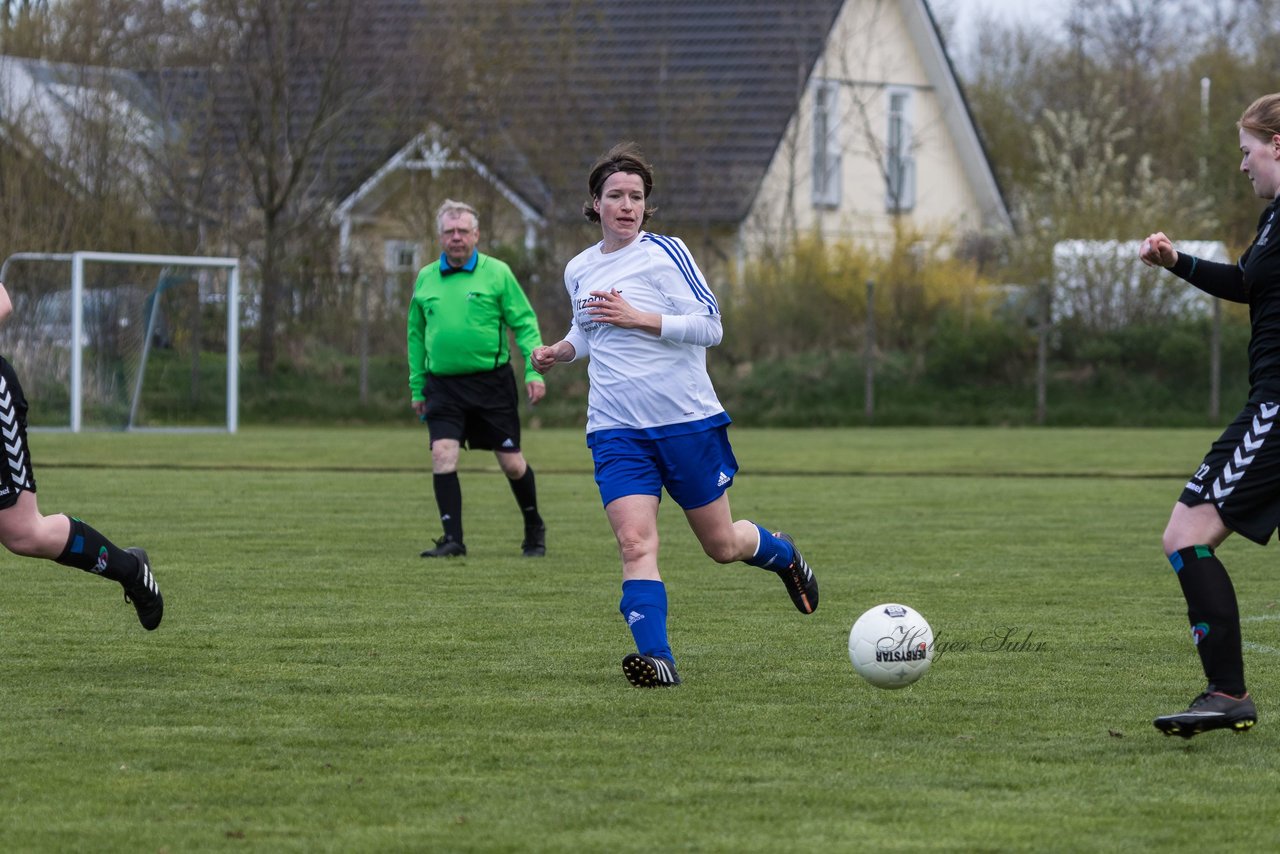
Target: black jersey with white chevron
x,y
1260,268
1255,280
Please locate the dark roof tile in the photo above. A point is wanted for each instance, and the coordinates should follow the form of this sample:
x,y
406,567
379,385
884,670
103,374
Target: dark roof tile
x,y
707,87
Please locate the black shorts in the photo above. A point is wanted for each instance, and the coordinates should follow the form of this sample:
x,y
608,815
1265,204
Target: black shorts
x,y
15,469
1241,474
478,410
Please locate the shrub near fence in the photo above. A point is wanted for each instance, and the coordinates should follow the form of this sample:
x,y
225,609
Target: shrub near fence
x,y
985,375
964,370
949,350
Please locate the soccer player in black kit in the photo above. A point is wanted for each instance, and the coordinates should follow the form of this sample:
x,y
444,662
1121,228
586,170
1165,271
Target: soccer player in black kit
x,y
1237,487
25,531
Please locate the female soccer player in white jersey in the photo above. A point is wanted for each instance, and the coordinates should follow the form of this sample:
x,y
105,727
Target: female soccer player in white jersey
x,y
644,315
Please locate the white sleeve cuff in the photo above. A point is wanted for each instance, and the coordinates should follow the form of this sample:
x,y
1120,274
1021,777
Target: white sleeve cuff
x,y
704,330
579,343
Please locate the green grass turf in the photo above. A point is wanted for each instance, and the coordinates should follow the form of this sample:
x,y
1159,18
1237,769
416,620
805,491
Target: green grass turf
x,y
317,686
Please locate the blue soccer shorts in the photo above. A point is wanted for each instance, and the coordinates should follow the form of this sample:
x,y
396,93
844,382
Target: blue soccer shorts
x,y
695,468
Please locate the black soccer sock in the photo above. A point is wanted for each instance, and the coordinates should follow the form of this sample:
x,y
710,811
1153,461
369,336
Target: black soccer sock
x,y
449,499
88,550
1214,616
525,490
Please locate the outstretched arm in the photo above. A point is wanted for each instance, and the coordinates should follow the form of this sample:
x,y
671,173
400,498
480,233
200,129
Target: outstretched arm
x,y
1225,281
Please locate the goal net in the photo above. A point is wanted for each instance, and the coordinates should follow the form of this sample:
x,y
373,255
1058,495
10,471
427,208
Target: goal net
x,y
121,341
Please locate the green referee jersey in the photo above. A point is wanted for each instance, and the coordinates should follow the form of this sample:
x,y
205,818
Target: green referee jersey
x,y
458,322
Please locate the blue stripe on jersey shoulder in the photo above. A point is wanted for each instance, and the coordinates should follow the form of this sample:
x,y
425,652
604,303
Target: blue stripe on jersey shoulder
x,y
680,256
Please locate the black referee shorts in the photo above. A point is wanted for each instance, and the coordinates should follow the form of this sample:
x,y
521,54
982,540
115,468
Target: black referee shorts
x,y
15,469
1241,474
478,410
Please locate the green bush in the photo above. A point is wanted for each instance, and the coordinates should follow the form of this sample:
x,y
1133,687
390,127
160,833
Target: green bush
x,y
949,351
984,350
966,373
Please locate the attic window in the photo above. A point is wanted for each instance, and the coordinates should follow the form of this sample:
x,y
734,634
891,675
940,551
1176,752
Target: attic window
x,y
826,145
900,163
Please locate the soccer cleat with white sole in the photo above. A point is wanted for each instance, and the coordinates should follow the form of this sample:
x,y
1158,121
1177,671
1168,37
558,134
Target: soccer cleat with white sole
x,y
1211,710
649,671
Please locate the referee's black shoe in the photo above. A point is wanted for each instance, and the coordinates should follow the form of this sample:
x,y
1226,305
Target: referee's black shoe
x,y
1211,710
650,671
799,579
535,541
144,593
446,547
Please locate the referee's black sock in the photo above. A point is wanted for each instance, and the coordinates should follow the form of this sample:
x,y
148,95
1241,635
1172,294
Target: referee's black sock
x,y
88,550
449,499
1214,616
525,490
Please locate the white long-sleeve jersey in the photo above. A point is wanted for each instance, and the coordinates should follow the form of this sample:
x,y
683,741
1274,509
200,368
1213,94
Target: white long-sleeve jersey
x,y
640,383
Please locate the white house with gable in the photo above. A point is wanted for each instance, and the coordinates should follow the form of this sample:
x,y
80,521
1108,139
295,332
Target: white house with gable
x,y
882,138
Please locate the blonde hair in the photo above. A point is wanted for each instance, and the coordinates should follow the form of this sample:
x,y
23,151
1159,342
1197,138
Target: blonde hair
x,y
1262,117
452,208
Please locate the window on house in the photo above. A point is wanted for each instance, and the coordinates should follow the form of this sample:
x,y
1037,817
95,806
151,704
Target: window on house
x,y
826,145
401,256
900,163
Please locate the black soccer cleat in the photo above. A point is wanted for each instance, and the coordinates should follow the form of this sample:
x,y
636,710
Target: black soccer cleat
x,y
446,547
799,579
649,671
535,541
144,593
1211,710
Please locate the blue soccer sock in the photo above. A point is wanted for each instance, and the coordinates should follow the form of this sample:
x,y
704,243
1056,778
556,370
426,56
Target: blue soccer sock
x,y
773,553
644,607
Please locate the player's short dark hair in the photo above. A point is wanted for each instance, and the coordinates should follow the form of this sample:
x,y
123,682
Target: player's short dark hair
x,y
623,157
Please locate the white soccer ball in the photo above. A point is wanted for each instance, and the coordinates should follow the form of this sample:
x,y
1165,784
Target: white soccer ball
x,y
891,646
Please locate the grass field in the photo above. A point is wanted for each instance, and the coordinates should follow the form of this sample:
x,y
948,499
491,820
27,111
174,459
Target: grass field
x,y
317,686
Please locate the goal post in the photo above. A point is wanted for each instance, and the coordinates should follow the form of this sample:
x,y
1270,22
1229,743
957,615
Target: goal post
x,y
232,265
117,315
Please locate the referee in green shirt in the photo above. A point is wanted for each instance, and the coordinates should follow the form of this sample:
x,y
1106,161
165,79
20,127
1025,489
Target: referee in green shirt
x,y
460,378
